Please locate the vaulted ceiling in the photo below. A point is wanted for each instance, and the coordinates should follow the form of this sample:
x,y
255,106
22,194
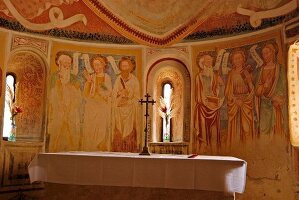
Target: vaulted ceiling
x,y
149,22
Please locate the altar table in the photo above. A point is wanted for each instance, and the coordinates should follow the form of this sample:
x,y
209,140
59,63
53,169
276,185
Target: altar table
x,y
212,173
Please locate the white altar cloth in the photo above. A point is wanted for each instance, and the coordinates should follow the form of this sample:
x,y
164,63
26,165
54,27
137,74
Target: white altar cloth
x,y
213,173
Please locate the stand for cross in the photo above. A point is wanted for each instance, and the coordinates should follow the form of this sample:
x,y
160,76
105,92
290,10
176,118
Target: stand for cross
x,y
145,150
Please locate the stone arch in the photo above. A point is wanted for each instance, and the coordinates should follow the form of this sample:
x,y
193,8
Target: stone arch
x,y
174,71
30,70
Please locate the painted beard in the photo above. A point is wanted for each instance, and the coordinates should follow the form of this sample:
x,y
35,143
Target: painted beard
x,y
64,76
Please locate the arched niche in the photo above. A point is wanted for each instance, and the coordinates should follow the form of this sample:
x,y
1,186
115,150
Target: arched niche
x,y
175,72
30,72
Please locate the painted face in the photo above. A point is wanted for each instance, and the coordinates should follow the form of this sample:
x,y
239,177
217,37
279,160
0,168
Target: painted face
x,y
208,61
65,62
125,66
98,65
238,60
267,54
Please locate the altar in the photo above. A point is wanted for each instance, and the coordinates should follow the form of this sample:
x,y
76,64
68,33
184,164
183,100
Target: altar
x,y
130,173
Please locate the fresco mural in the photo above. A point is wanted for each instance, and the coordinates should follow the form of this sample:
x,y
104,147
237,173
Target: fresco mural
x,y
29,69
240,94
94,102
97,94
147,22
208,101
126,94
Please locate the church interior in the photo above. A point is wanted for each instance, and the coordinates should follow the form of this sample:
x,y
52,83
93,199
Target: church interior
x,y
178,78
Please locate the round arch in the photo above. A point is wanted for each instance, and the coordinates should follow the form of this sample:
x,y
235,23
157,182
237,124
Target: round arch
x,y
30,70
175,71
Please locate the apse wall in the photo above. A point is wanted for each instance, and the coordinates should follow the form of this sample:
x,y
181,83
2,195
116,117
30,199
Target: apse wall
x,y
234,96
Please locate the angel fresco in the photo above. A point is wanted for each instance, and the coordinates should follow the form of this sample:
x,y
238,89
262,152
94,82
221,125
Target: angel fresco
x,y
271,93
208,85
239,92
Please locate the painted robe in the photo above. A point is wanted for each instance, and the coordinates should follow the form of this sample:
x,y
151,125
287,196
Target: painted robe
x,y
97,114
64,116
272,117
239,88
207,113
126,114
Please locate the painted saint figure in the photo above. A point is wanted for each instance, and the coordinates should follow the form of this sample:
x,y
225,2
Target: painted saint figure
x,y
271,93
65,99
97,93
239,92
126,95
208,85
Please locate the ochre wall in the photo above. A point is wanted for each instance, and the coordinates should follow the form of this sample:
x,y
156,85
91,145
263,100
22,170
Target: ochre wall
x,y
269,156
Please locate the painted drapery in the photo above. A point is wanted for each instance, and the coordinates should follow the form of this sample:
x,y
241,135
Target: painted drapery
x,y
126,119
254,97
84,113
208,89
97,92
240,94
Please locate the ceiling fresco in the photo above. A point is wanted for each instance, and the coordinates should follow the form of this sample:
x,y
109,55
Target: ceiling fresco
x,y
151,22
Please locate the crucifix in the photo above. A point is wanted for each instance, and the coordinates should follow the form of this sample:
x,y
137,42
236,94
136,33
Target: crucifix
x,y
145,150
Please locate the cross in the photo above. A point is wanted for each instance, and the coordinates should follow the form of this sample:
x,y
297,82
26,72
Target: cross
x,y
145,150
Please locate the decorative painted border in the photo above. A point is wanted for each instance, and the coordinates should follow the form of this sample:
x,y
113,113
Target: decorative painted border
x,y
240,29
23,41
66,34
112,39
136,35
293,90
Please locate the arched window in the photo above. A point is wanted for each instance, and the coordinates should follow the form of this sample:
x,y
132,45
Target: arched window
x,y
9,100
170,79
166,124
